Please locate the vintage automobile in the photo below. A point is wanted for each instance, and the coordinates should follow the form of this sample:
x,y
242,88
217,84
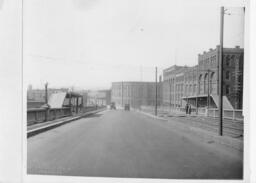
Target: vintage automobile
x,y
113,106
127,107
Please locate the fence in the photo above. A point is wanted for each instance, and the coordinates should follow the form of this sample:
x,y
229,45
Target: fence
x,y
227,114
39,114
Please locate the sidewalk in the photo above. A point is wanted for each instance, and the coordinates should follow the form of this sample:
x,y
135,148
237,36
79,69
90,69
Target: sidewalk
x,y
184,124
44,126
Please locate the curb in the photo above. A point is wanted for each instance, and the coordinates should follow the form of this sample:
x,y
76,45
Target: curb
x,y
205,136
38,130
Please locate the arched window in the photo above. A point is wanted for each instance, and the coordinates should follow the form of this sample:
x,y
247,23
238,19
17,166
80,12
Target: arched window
x,y
190,89
212,79
200,84
206,83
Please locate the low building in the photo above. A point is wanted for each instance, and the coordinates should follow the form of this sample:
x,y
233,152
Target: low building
x,y
99,97
136,94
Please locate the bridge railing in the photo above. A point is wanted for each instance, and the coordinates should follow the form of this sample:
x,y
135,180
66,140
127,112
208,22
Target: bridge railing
x,y
39,114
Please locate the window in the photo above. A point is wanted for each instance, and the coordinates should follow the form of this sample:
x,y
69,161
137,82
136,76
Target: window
x,y
227,89
227,75
227,61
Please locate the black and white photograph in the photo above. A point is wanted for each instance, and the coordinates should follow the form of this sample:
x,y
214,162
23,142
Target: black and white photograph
x,y
131,90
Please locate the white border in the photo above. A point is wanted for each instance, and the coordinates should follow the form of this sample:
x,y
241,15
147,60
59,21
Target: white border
x,y
13,163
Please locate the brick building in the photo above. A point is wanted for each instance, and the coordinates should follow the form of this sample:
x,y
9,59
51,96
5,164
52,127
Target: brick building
x,y
136,93
198,85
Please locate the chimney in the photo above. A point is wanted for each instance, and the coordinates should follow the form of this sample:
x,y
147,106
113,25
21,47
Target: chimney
x,y
237,47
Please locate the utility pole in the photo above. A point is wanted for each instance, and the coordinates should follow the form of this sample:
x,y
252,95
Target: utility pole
x,y
122,93
221,72
208,90
197,89
156,95
46,101
46,93
170,93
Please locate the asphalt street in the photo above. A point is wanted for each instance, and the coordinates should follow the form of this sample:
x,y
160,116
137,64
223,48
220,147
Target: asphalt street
x,y
127,144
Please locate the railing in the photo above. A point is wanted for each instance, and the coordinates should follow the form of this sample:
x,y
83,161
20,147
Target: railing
x,y
36,115
227,114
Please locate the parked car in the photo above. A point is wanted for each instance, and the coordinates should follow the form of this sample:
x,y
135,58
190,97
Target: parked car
x,y
113,106
127,107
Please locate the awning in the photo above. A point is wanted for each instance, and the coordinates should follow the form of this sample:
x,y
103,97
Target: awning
x,y
73,94
56,100
226,103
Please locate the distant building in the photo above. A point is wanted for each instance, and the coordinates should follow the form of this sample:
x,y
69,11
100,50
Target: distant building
x,y
136,93
30,87
99,97
184,84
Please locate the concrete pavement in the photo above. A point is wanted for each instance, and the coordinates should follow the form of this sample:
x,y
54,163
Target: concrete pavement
x,y
128,144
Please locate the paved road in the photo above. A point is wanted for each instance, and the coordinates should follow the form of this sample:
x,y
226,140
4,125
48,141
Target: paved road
x,y
127,144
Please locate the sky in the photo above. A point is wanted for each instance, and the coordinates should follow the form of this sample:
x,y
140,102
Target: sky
x,y
88,44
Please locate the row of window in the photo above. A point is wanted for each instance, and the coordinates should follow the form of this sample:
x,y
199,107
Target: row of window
x,y
211,61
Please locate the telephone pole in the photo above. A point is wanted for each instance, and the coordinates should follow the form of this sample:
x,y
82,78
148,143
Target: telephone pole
x,y
46,93
170,84
156,95
46,101
208,90
221,72
122,93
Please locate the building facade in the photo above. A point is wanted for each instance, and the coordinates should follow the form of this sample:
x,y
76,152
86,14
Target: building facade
x,y
136,94
98,97
199,86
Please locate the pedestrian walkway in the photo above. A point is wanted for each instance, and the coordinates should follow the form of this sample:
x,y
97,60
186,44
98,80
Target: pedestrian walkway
x,y
231,128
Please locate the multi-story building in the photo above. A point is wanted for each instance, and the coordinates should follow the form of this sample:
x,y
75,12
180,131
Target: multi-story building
x,y
173,85
199,85
136,93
